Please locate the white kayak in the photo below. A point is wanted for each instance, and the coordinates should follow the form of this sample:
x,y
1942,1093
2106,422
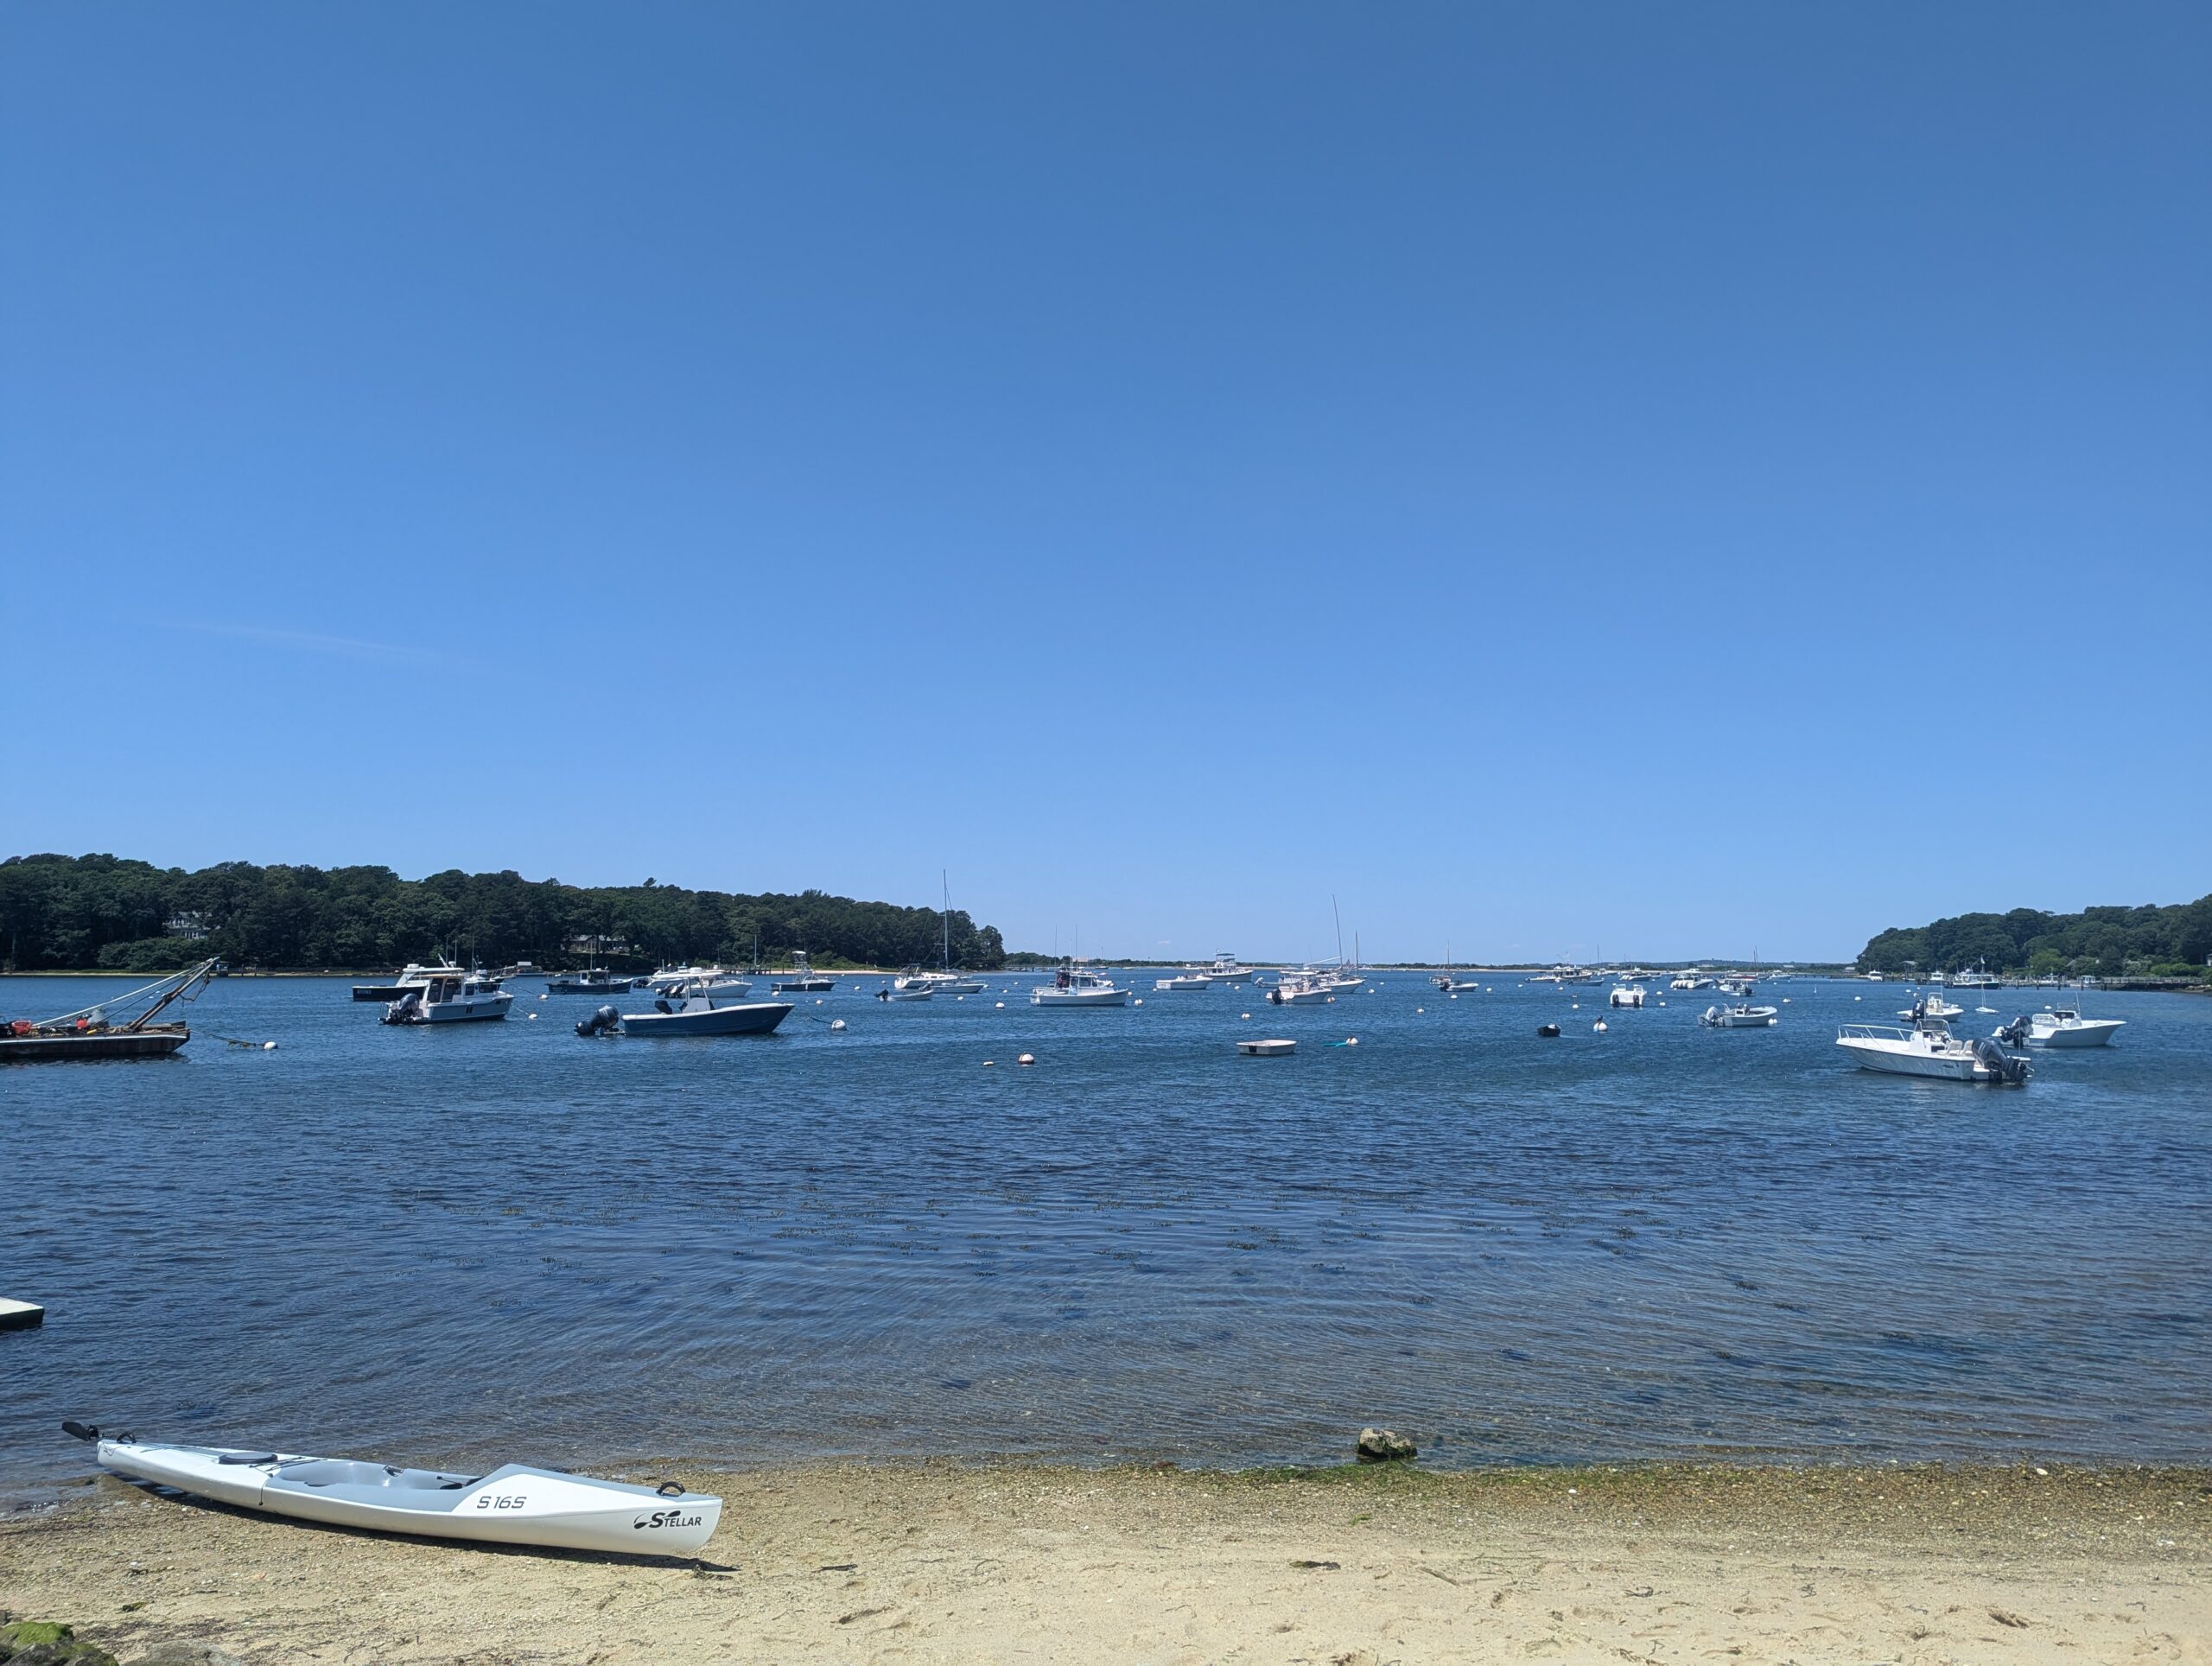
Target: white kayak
x,y
513,1504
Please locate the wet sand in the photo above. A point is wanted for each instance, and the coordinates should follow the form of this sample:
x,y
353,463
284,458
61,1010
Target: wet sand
x,y
946,1562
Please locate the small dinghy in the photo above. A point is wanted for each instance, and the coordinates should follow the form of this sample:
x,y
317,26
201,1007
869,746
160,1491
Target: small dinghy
x,y
512,1504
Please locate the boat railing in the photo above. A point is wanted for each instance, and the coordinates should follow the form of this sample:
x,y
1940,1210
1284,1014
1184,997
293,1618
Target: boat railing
x,y
1874,1033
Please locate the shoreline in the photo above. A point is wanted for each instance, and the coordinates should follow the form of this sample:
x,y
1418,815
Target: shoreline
x,y
938,1560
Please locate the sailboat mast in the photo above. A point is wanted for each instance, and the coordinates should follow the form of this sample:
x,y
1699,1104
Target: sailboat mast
x,y
944,881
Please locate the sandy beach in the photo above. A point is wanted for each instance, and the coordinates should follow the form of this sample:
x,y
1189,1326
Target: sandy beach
x,y
944,1562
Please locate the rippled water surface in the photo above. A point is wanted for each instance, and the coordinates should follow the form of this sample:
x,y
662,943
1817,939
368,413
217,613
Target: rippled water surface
x,y
499,1240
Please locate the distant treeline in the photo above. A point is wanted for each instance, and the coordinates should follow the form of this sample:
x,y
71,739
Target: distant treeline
x,y
2149,942
68,914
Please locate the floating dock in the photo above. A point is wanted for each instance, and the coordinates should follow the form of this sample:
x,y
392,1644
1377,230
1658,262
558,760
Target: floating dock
x,y
19,1315
1269,1049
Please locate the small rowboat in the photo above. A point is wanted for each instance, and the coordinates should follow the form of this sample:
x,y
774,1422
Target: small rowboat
x,y
512,1504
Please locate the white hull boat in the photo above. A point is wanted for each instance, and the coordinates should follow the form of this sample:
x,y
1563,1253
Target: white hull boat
x,y
1075,985
1931,1049
451,998
1741,1016
1225,970
1627,994
2063,1028
700,980
1934,1007
1183,984
1302,992
512,1504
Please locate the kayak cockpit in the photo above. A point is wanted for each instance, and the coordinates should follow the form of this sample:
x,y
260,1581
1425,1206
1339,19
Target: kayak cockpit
x,y
366,1483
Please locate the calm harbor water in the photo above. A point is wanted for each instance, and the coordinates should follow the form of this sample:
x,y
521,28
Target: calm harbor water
x,y
499,1240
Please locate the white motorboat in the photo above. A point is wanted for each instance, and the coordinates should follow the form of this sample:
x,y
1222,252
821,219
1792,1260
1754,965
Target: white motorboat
x,y
1690,982
409,981
451,998
1977,976
591,983
1739,986
1626,995
1301,990
1075,985
802,979
684,1010
2063,1027
512,1504
1741,1016
1225,970
1929,1048
907,989
1932,1005
700,980
1183,982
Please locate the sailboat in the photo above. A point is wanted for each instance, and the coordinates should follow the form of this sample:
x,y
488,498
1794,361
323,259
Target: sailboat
x,y
916,984
1345,975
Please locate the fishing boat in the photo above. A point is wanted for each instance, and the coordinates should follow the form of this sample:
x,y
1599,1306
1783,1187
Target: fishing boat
x,y
512,1504
454,997
1690,982
1183,982
94,1032
1225,970
1929,1048
1626,995
1301,990
409,978
590,983
914,986
802,979
1932,1005
1077,985
1740,1016
686,1010
700,980
2063,1027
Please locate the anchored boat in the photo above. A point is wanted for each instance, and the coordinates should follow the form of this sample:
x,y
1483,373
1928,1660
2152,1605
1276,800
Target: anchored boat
x,y
1929,1048
512,1504
93,1032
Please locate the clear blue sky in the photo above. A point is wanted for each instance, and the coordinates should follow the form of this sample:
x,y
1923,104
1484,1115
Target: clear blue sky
x,y
1678,479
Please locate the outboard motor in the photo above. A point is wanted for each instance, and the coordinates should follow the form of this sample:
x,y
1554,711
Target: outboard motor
x,y
603,1022
2015,1035
402,1011
2003,1066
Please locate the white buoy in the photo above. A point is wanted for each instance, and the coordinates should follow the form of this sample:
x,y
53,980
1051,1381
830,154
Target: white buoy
x,y
269,1046
533,1018
1599,1025
988,1063
1577,1006
1027,1058
1244,1015
1418,1010
1351,1040
1001,1006
836,1023
548,996
1139,1001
